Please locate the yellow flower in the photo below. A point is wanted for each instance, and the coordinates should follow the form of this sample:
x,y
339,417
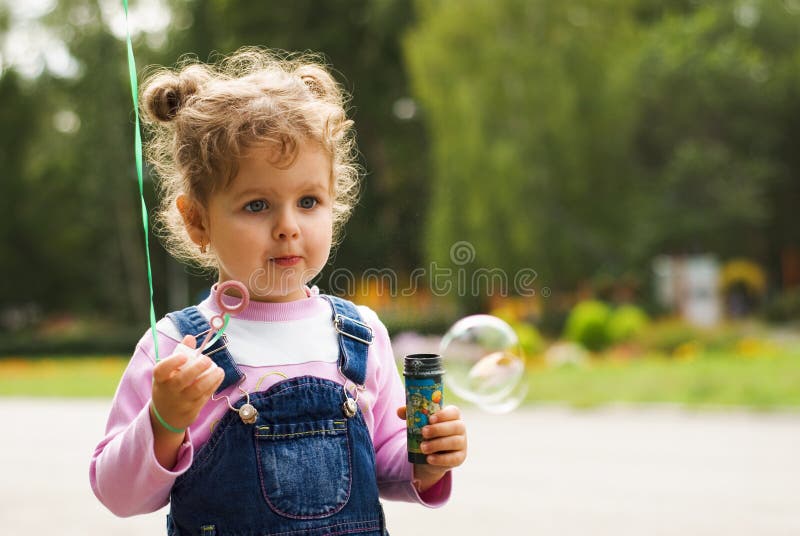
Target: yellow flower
x,y
744,272
687,351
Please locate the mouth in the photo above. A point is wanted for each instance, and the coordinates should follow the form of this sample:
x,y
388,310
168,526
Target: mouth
x,y
288,260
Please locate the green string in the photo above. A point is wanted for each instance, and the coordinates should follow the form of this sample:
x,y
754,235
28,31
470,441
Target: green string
x,y
145,224
164,423
138,150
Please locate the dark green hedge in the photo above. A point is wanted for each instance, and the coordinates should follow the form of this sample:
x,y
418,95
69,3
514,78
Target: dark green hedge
x,y
117,341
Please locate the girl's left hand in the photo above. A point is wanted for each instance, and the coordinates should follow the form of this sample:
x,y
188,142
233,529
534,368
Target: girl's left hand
x,y
445,445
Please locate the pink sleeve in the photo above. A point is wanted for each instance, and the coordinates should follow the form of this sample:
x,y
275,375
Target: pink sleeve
x,y
124,473
395,472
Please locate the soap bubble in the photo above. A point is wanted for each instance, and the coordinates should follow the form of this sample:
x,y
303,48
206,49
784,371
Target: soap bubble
x,y
484,363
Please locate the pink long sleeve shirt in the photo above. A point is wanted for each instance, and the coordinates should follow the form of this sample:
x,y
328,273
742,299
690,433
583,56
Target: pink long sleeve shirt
x,y
269,341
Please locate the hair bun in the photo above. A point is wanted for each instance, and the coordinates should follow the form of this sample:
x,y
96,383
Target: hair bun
x,y
165,93
318,81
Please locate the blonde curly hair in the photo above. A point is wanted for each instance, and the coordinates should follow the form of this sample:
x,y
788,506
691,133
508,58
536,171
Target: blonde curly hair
x,y
202,119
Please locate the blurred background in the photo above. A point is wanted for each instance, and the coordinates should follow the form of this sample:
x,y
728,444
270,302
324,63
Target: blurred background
x,y
616,179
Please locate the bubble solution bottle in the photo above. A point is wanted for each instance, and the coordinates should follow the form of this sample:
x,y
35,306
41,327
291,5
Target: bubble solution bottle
x,y
424,397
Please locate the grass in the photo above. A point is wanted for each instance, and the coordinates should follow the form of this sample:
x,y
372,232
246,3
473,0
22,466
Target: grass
x,y
708,379
73,376
765,381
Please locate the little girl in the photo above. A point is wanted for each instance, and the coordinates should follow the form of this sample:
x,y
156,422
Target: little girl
x,y
293,421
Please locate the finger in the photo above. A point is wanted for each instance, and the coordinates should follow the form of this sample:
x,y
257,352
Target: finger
x,y
206,384
401,412
166,368
444,445
448,413
189,341
447,459
186,347
448,428
187,375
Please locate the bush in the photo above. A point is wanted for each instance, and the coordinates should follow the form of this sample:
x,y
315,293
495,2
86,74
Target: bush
x,y
784,307
121,341
530,340
423,324
553,321
626,322
588,323
666,336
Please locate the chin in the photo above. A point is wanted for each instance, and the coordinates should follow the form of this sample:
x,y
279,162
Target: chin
x,y
279,296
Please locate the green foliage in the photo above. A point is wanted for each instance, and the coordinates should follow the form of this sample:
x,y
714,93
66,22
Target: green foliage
x,y
588,324
626,322
666,336
572,138
784,307
118,340
530,340
517,94
76,239
677,338
595,325
708,166
18,117
75,243
586,137
421,323
553,321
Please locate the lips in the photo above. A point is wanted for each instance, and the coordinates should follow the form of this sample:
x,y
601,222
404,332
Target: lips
x,y
289,260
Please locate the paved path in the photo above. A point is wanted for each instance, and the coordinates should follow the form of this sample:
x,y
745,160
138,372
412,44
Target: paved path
x,y
549,471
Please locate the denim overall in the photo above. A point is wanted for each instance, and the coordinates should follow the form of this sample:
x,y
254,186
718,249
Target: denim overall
x,y
304,466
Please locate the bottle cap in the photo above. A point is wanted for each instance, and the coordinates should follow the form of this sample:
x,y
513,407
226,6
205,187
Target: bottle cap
x,y
423,365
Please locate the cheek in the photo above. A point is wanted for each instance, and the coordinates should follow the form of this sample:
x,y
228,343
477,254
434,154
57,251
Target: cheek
x,y
323,236
327,230
236,226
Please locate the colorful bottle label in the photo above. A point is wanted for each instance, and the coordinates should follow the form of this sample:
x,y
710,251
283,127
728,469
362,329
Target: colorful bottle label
x,y
424,397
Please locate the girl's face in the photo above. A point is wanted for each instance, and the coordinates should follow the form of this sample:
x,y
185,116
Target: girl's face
x,y
272,228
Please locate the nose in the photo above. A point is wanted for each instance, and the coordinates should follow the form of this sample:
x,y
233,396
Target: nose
x,y
285,226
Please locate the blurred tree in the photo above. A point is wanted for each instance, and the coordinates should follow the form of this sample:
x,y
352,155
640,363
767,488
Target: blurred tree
x,y
109,213
77,237
702,91
76,242
574,138
714,137
528,104
18,252
586,137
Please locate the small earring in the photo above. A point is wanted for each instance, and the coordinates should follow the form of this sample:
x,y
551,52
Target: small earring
x,y
202,247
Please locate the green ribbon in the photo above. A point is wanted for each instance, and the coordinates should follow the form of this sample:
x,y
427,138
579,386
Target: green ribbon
x,y
145,219
164,423
138,151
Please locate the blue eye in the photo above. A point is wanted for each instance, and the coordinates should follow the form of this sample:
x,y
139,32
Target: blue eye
x,y
308,202
256,206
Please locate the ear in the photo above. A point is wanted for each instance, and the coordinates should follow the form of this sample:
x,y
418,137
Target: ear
x,y
194,219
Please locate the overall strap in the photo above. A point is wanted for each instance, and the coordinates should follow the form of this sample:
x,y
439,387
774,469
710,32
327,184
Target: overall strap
x,y
190,321
354,339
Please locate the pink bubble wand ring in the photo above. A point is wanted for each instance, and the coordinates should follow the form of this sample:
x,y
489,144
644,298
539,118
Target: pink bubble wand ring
x,y
219,322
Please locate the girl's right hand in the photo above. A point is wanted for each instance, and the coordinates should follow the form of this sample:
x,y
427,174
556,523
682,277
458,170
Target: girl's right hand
x,y
182,387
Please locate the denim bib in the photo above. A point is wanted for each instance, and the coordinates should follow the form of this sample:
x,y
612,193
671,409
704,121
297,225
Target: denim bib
x,y
304,467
